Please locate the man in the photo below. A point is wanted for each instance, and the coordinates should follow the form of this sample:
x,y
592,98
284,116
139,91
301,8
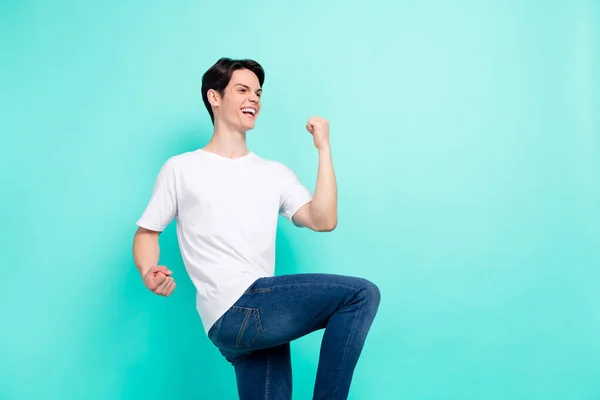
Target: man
x,y
226,201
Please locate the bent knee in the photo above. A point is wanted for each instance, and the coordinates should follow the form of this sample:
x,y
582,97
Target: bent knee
x,y
371,292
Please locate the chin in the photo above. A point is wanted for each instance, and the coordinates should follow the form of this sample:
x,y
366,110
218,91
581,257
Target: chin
x,y
248,126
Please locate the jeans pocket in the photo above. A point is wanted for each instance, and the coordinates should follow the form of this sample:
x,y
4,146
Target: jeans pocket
x,y
239,327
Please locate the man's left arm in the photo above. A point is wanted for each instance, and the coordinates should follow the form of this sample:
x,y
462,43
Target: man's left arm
x,y
321,214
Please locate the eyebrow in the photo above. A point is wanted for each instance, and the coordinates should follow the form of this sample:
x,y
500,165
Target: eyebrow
x,y
247,87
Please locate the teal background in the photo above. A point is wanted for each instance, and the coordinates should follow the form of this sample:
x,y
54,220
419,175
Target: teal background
x,y
466,142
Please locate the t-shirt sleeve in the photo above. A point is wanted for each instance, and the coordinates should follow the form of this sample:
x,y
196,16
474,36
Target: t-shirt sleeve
x,y
162,207
293,194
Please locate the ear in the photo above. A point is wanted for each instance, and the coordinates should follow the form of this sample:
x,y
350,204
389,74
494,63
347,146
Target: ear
x,y
213,97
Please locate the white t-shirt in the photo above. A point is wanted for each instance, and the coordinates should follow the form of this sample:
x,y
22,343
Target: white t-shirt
x,y
226,212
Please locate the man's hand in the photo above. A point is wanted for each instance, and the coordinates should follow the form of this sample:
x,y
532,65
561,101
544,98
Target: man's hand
x,y
158,279
319,128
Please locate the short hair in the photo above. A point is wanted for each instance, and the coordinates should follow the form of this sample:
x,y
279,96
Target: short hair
x,y
218,76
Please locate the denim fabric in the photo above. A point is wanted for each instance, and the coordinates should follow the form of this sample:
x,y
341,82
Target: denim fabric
x,y
254,335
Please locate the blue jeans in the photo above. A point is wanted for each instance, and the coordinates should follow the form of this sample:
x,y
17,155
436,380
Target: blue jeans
x,y
254,335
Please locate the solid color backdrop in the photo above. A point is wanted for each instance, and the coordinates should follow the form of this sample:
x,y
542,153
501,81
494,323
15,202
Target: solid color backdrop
x,y
466,143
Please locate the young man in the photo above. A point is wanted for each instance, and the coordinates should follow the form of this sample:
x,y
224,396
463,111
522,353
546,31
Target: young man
x,y
226,201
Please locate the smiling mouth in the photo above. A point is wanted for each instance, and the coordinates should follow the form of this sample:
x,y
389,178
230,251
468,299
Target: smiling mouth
x,y
249,111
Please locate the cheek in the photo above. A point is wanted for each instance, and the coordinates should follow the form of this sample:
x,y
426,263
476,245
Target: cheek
x,y
233,109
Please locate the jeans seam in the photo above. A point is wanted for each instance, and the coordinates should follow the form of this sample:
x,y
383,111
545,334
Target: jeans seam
x,y
320,284
268,377
352,331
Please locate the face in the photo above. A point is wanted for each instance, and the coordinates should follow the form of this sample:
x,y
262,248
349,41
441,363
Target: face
x,y
240,105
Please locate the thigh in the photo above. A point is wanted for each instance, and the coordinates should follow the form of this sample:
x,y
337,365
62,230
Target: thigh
x,y
277,310
265,374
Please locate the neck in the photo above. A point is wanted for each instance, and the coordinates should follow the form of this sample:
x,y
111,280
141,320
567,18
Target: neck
x,y
227,142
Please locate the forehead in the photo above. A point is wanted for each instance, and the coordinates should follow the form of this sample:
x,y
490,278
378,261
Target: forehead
x,y
244,77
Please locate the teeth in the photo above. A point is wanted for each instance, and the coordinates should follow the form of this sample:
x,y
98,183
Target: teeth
x,y
250,110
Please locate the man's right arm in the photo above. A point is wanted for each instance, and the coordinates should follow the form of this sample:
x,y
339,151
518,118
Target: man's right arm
x,y
146,253
160,211
146,250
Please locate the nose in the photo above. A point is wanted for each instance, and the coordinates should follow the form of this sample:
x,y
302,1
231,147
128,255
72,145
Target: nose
x,y
254,98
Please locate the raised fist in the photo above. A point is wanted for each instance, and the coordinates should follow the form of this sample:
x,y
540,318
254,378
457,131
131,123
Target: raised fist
x,y
319,128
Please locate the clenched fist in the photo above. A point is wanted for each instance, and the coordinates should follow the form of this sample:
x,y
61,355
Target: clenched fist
x,y
158,279
319,128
